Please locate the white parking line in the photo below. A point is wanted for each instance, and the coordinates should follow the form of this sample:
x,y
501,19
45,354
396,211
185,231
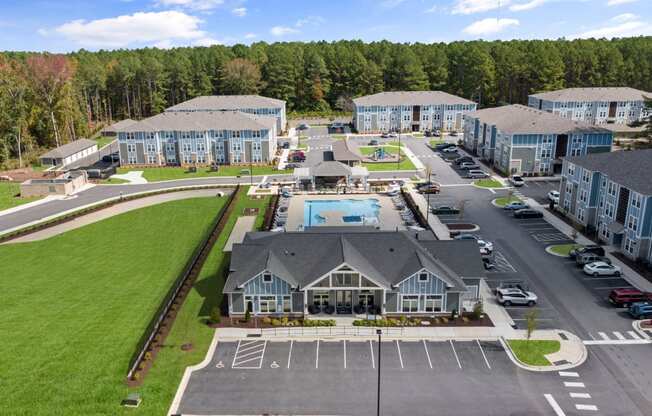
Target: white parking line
x,y
248,348
618,335
568,374
290,353
580,395
483,355
371,348
574,384
317,355
250,353
603,335
612,287
398,348
427,353
590,407
555,406
236,354
633,335
455,352
344,344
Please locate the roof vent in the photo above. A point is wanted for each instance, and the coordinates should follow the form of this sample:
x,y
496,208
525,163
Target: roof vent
x,y
292,254
391,249
286,252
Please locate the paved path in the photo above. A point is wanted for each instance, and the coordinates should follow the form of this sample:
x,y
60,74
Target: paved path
x,y
242,226
110,212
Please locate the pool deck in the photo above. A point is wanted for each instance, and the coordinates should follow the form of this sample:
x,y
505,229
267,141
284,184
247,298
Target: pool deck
x,y
388,216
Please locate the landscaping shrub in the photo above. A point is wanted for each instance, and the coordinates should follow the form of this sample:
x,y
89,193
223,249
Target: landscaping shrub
x,y
215,315
267,320
276,322
477,311
247,316
318,322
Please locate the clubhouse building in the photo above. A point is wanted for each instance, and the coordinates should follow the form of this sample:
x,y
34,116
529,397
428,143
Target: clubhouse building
x,y
347,270
516,139
409,111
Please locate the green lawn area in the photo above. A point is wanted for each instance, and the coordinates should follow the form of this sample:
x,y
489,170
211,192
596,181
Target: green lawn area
x,y
395,143
405,164
9,198
162,381
369,150
103,141
533,352
168,173
72,318
114,181
504,200
435,142
488,183
338,136
563,249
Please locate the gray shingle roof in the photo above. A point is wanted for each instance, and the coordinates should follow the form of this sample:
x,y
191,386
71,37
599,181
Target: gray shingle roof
x,y
227,102
386,257
519,119
69,149
594,94
341,152
115,127
411,98
332,168
201,121
631,169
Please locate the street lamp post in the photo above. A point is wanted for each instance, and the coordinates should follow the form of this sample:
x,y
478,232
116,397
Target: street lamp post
x,y
398,161
379,332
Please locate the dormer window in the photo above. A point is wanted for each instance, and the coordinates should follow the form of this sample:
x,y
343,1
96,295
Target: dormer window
x,y
423,277
267,278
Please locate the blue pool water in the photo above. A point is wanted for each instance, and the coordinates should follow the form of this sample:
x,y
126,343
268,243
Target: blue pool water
x,y
353,210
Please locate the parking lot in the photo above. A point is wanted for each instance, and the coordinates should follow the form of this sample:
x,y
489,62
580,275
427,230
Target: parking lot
x,y
537,190
339,377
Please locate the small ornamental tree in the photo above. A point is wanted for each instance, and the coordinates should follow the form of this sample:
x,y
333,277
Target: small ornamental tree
x,y
531,322
215,315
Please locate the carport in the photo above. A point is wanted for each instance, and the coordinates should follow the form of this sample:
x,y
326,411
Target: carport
x,y
331,175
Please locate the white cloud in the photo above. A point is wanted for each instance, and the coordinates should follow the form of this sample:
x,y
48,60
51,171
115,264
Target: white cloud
x,y
310,21
625,17
148,28
477,6
489,26
619,2
282,30
240,11
526,6
207,41
432,9
250,36
201,5
622,30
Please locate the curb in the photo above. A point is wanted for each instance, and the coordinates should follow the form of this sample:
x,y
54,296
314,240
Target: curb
x,y
552,253
542,369
642,332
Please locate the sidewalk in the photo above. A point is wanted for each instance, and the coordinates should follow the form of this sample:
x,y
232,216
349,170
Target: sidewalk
x,y
441,231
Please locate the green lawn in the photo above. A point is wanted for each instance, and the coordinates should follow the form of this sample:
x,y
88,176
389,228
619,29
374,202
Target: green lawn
x,y
114,181
502,201
533,352
103,141
488,183
369,150
395,143
71,318
338,136
435,142
563,249
168,173
405,164
9,195
163,379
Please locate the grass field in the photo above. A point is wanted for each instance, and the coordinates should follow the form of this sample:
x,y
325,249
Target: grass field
x,y
533,352
504,200
72,318
435,142
103,141
406,163
369,150
168,173
9,198
563,249
163,379
488,183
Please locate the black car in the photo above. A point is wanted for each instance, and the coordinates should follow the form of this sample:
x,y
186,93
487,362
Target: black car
x,y
463,159
286,145
527,213
444,210
443,146
593,249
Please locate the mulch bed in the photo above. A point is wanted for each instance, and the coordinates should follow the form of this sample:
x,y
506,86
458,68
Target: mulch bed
x,y
461,226
250,211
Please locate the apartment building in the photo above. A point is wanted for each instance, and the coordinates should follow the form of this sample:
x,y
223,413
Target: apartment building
x,y
611,193
517,139
603,105
251,104
199,137
409,111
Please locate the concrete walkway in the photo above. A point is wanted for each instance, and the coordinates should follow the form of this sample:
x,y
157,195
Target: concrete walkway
x,y
441,231
242,226
111,211
134,176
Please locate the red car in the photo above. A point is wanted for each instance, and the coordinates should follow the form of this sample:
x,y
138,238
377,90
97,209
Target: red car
x,y
623,298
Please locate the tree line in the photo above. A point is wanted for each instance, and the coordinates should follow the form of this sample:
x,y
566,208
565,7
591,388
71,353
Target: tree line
x,y
48,99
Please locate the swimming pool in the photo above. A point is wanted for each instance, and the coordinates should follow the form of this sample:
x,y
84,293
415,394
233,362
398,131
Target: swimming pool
x,y
348,211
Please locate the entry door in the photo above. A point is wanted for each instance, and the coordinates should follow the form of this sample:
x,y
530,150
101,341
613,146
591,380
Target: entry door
x,y
344,299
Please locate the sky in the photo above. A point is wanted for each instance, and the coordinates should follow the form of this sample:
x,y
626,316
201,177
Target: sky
x,y
69,25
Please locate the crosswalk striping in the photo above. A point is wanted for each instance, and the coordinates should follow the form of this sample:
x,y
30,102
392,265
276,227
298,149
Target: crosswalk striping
x,y
249,354
580,395
574,384
568,374
586,407
633,334
616,338
619,335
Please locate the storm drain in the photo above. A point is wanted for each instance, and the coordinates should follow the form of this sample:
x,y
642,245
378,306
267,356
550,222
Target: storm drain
x,y
562,336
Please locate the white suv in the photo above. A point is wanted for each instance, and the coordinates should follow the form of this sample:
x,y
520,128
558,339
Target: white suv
x,y
514,296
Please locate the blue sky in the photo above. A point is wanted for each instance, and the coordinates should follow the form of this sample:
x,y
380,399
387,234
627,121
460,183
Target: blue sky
x,y
66,25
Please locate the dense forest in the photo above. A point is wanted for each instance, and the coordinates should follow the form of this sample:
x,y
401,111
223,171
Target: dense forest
x,y
48,99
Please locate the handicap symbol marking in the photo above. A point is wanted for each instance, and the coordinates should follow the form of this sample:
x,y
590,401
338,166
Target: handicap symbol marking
x,y
219,365
274,365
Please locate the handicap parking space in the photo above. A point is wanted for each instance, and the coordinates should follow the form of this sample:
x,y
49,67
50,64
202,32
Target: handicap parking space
x,y
541,230
277,354
502,264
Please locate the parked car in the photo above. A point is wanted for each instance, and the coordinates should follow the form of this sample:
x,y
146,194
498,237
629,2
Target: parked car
x,y
516,181
601,268
554,196
303,126
511,284
592,248
588,258
453,133
641,310
450,149
427,133
374,142
623,298
488,264
436,133
337,125
514,205
513,296
469,166
384,135
442,146
476,174
445,210
463,159
528,213
286,145
486,246
429,189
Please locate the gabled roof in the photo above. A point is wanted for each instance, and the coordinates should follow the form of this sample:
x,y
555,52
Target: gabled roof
x,y
594,94
201,121
411,98
630,169
227,102
341,152
300,258
519,119
115,127
69,149
330,169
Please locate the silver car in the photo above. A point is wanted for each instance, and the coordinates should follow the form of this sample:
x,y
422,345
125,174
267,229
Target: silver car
x,y
514,296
